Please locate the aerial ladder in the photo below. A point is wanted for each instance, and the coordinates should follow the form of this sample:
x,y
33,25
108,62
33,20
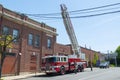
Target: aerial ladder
x,y
69,28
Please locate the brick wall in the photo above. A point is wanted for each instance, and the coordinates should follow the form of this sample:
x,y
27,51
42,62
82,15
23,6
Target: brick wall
x,y
62,49
26,62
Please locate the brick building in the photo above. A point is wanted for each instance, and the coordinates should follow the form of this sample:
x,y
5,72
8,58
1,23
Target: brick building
x,y
90,54
35,40
61,49
67,50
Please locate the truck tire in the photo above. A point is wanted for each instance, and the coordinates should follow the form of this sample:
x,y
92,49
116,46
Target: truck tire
x,y
79,68
62,70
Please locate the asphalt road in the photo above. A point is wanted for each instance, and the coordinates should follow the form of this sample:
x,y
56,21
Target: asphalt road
x,y
96,74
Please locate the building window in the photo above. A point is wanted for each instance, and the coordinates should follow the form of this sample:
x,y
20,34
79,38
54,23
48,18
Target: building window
x,y
37,41
15,35
6,30
49,43
30,39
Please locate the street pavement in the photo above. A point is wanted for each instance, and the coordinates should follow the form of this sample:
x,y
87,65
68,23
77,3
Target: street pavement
x,y
30,75
96,74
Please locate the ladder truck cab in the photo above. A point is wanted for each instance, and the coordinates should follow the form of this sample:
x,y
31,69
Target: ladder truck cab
x,y
61,64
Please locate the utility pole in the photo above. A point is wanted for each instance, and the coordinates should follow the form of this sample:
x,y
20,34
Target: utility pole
x,y
91,59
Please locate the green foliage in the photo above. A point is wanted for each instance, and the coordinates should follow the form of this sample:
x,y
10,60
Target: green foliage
x,y
118,51
118,56
95,59
112,65
6,40
94,62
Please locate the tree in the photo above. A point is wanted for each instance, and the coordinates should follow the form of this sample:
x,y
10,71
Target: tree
x,y
95,59
5,42
118,55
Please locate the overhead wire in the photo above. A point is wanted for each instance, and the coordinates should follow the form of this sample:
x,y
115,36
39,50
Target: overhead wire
x,y
94,8
87,12
98,11
85,16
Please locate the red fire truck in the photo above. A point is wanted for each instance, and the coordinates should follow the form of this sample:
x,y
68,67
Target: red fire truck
x,y
62,64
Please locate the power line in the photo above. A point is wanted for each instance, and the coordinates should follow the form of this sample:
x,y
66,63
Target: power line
x,y
85,16
99,14
82,10
96,7
42,16
98,11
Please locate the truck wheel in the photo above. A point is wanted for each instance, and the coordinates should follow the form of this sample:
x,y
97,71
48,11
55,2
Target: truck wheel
x,y
79,69
62,70
82,68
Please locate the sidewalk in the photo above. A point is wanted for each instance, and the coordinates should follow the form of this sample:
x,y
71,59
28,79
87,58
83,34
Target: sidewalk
x,y
33,74
21,76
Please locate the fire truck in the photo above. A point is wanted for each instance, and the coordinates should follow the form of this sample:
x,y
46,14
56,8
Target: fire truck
x,y
61,63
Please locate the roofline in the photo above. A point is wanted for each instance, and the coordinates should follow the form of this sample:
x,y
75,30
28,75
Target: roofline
x,y
25,22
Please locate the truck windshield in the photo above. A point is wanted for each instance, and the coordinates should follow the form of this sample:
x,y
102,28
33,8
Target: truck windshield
x,y
51,59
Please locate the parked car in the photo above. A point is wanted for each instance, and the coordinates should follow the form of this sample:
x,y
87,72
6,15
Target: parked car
x,y
104,65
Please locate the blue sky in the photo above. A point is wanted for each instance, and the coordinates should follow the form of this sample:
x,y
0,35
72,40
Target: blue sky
x,y
101,33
